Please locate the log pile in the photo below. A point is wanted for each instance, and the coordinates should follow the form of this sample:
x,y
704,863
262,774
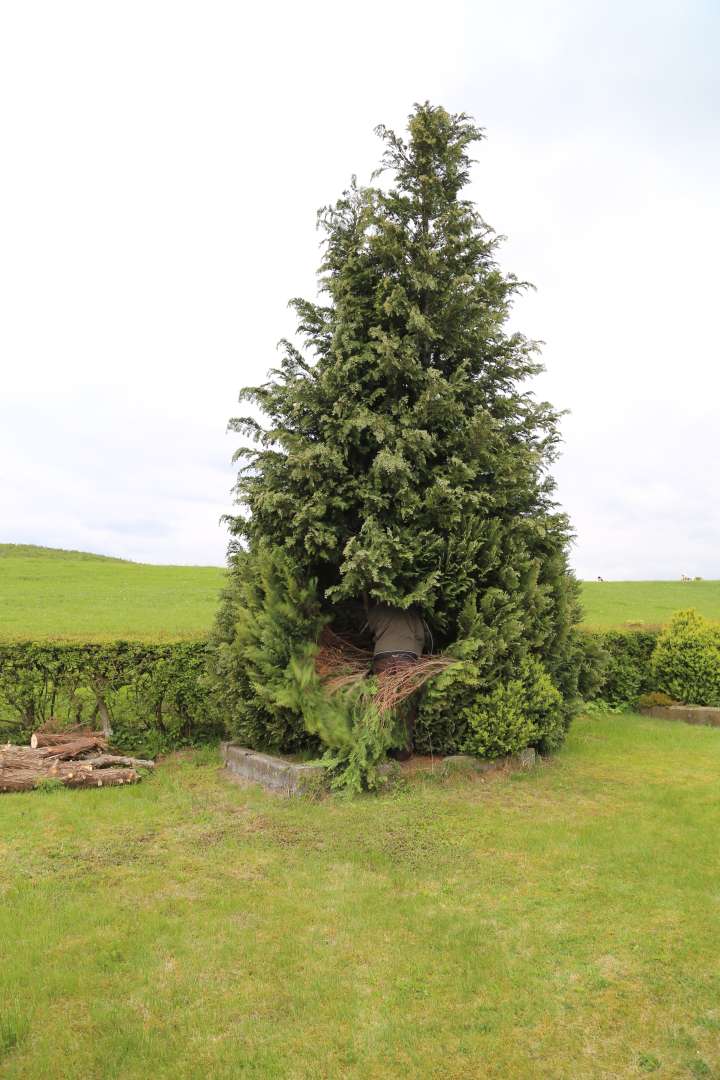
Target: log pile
x,y
73,758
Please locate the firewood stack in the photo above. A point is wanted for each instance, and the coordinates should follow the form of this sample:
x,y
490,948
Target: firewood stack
x,y
74,758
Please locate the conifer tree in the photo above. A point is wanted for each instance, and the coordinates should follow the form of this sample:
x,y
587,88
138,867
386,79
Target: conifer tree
x,y
404,459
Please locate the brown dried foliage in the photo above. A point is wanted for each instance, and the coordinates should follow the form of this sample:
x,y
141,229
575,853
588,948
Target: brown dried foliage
x,y
341,665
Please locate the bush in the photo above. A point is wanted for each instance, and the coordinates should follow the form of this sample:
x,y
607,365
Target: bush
x,y
457,713
686,660
442,718
616,666
155,697
498,723
527,711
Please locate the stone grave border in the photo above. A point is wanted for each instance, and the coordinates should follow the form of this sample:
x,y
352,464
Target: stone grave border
x,y
690,714
289,778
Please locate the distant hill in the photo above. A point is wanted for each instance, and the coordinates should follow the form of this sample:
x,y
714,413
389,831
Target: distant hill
x,y
36,551
51,594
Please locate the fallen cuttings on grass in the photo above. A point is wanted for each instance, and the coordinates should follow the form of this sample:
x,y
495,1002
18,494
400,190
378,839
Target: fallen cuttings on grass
x,y
341,665
72,759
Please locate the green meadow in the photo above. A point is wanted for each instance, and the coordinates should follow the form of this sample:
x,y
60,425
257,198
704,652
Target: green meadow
x,y
50,594
628,604
557,923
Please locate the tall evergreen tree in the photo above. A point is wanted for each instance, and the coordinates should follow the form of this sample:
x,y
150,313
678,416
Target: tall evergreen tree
x,y
405,460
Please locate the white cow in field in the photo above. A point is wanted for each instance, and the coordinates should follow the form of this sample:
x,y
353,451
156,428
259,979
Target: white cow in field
x,y
684,577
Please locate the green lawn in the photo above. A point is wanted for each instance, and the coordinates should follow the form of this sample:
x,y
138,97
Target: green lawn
x,y
561,924
50,594
651,603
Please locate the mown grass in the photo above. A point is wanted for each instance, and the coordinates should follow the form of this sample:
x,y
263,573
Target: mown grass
x,y
623,604
562,923
48,594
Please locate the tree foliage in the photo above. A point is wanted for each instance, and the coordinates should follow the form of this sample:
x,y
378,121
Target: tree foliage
x,y
403,457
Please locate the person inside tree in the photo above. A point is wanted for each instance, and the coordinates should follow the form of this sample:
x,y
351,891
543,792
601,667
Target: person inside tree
x,y
399,640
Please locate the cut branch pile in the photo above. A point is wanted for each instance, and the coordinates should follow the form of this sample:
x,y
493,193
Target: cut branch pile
x,y
341,665
74,759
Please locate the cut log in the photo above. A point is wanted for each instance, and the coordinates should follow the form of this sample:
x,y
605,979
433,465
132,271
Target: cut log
x,y
20,757
101,761
80,746
53,738
73,774
67,775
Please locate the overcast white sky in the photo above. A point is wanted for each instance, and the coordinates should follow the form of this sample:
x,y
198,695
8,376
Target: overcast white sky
x,y
162,163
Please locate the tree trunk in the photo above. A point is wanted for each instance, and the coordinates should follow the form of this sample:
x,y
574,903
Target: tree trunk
x,y
104,716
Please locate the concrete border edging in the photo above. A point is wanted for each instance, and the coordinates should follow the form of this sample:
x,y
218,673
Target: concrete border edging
x,y
291,778
708,715
273,773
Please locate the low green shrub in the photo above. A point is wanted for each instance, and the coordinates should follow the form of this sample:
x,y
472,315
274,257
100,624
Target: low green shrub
x,y
686,660
655,698
498,723
527,711
627,672
441,726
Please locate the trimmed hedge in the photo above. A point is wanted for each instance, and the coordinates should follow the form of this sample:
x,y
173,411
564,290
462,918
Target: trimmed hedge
x,y
159,697
617,665
681,661
154,696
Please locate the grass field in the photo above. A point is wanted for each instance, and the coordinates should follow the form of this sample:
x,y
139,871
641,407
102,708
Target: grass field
x,y
47,594
562,923
50,594
650,603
